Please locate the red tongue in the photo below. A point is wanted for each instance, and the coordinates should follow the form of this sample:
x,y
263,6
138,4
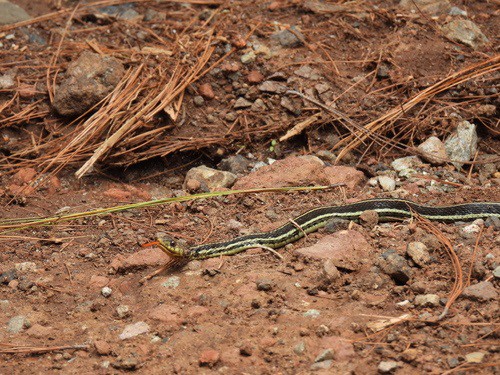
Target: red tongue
x,y
149,244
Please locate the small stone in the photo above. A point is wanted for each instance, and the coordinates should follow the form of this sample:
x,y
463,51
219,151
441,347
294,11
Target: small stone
x,y
427,300
258,105
474,357
264,285
396,267
406,165
483,291
255,77
102,347
433,151
8,276
330,272
236,164
242,103
288,38
461,146
410,354
466,32
126,363
312,313
300,348
248,57
453,362
212,178
17,323
209,358
106,291
172,282
123,311
206,91
25,267
496,272
383,71
369,218
272,87
193,185
418,252
325,355
387,183
386,367
198,100
133,330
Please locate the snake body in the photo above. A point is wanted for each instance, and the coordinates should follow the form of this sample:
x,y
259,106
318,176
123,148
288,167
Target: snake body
x,y
388,209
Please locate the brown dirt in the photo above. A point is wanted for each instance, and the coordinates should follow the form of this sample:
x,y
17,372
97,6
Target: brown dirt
x,y
216,319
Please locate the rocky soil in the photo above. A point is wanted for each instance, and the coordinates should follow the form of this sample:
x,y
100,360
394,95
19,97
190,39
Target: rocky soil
x,y
356,297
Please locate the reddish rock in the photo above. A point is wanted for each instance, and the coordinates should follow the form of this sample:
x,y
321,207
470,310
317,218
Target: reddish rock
x,y
143,258
24,175
351,177
255,77
343,349
17,190
292,171
102,347
39,331
346,249
206,91
230,67
118,194
166,313
209,357
98,282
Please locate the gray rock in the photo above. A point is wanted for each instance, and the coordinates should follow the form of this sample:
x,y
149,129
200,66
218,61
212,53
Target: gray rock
x,y
387,183
272,87
289,39
198,101
90,78
418,252
406,165
312,313
433,150
386,367
453,362
483,291
248,57
172,282
324,365
462,144
265,285
432,7
305,71
258,105
133,330
300,348
12,13
236,164
17,323
325,355
427,300
456,11
212,178
242,103
496,272
383,71
466,32
396,267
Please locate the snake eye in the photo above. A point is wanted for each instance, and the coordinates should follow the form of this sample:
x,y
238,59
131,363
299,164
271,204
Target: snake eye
x,y
172,243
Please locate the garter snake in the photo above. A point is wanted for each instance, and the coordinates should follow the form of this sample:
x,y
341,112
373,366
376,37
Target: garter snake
x,y
388,210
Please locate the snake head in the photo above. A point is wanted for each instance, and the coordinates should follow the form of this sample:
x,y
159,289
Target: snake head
x,y
172,248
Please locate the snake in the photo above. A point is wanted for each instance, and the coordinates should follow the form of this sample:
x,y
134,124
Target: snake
x,y
388,209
